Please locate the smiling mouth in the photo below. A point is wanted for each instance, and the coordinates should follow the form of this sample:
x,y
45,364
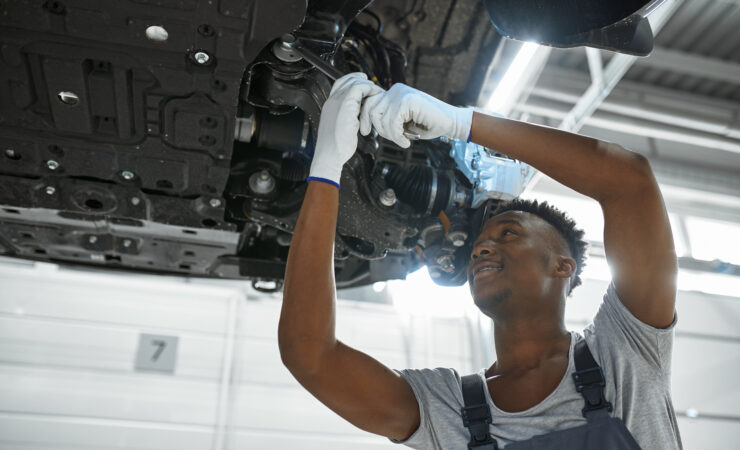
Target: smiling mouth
x,y
485,269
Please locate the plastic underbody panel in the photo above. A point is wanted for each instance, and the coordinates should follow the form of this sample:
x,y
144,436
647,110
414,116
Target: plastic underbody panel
x,y
119,146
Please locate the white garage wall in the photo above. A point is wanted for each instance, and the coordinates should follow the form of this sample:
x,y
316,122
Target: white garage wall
x,y
68,342
67,348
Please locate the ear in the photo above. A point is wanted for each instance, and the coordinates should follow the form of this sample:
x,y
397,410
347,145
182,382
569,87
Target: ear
x,y
566,267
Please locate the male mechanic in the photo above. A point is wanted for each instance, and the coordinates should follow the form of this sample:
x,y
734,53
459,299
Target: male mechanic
x,y
523,266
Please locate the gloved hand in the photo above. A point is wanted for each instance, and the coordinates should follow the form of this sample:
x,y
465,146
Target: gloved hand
x,y
389,112
337,136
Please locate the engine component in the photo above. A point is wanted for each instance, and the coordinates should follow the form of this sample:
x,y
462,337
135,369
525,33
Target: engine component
x,y
284,132
262,182
494,176
424,188
388,197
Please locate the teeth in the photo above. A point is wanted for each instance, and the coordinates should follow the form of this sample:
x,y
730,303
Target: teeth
x,y
485,268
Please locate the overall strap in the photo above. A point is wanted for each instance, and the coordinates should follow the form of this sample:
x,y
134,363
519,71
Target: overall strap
x,y
590,381
476,414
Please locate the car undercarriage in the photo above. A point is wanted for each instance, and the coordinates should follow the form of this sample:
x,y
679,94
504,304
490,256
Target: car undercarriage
x,y
175,136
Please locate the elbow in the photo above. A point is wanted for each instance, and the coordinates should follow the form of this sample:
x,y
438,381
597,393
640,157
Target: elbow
x,y
300,355
641,167
630,174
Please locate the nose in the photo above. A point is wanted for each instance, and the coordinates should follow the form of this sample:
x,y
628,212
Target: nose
x,y
481,249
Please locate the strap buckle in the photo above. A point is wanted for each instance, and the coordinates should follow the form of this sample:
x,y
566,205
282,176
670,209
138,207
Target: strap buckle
x,y
477,418
590,384
476,413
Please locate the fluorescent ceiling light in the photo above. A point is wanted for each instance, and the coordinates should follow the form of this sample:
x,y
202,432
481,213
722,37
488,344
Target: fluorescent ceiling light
x,y
509,87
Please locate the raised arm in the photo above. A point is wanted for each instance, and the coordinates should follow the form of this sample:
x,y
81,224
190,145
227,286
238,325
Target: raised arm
x,y
637,233
351,383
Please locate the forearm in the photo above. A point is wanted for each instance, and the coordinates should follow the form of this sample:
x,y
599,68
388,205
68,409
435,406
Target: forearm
x,y
306,328
579,162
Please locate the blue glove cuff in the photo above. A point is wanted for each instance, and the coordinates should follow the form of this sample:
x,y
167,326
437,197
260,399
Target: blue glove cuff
x,y
470,135
323,180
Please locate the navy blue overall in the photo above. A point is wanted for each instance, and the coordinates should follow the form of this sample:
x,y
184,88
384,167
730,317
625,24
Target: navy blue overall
x,y
601,431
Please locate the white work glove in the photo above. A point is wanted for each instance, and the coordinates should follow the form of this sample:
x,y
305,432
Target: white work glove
x,y
402,104
337,136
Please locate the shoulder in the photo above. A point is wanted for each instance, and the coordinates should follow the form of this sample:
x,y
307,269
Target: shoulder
x,y
438,377
618,335
434,387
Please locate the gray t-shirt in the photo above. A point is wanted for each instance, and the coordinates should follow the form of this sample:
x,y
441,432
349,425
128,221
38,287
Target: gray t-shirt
x,y
636,360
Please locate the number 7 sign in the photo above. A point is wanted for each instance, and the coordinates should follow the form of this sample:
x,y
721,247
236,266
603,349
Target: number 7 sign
x,y
156,353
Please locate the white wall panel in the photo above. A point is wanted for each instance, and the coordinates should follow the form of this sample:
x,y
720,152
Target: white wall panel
x,y
95,346
40,431
68,341
705,376
711,434
145,397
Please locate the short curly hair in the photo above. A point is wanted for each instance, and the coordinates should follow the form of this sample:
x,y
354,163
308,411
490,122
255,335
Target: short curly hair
x,y
559,220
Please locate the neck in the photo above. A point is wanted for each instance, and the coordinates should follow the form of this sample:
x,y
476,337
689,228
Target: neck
x,y
526,343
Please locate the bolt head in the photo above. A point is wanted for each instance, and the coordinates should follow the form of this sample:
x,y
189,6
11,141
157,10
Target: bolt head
x,y
127,175
388,197
93,239
127,243
201,57
52,165
135,201
50,190
68,98
215,202
156,33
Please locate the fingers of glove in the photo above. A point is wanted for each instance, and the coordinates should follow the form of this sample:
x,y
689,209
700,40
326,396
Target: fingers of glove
x,y
376,113
353,98
345,80
393,122
366,123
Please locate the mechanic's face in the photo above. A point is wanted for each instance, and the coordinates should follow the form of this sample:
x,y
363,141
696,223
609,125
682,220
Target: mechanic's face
x,y
512,262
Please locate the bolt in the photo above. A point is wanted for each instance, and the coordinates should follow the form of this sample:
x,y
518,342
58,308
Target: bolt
x,y
215,203
457,238
93,239
127,243
262,182
52,165
135,201
445,261
388,197
127,175
156,33
50,190
68,98
202,57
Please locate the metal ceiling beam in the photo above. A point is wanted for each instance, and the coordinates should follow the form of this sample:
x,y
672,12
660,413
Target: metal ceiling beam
x,y
690,64
603,84
605,79
639,127
706,116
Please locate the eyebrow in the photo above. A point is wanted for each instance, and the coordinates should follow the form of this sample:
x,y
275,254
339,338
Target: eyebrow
x,y
501,222
514,221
